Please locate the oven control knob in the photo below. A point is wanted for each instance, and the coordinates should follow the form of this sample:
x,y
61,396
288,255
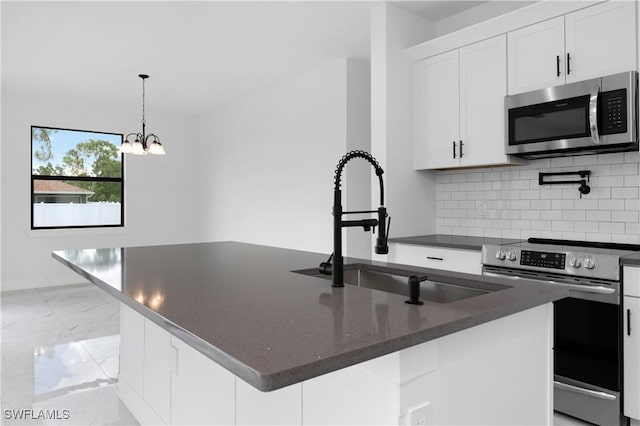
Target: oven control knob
x,y
511,256
589,263
575,262
500,255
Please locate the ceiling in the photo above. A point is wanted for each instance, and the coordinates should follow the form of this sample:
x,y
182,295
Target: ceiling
x,y
199,54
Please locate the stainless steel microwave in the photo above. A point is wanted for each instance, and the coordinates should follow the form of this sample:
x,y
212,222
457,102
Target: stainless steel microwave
x,y
587,117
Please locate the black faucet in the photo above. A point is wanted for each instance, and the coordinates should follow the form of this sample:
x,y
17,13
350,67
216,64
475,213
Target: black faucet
x,y
337,269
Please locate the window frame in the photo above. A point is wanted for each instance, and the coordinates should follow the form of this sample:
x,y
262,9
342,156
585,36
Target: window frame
x,y
77,179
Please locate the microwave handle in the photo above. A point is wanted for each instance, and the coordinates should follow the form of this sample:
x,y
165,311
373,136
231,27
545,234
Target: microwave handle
x,y
593,115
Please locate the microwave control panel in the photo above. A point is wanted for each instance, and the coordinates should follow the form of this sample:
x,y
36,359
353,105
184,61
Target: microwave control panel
x,y
613,115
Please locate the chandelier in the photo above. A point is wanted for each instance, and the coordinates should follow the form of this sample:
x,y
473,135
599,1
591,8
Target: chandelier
x,y
140,145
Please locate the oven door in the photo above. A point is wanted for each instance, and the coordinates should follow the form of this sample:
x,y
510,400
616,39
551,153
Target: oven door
x,y
587,360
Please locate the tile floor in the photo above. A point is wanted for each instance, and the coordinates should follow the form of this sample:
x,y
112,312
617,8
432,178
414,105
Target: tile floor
x,y
60,352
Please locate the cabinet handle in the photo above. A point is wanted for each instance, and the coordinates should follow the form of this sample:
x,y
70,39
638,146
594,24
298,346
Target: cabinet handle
x,y
558,65
568,64
434,258
628,322
461,155
454,149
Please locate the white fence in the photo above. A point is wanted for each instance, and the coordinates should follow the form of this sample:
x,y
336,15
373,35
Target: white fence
x,y
69,214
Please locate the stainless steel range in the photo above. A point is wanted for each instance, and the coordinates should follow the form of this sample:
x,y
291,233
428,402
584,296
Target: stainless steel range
x,y
587,325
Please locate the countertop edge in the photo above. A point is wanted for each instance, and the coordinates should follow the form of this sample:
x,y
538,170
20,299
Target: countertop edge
x,y
459,242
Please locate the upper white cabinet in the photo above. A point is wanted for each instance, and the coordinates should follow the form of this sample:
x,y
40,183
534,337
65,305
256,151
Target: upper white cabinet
x,y
591,42
459,106
536,55
437,111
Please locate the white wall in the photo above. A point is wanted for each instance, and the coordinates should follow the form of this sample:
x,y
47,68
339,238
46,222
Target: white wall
x,y
269,159
162,193
410,194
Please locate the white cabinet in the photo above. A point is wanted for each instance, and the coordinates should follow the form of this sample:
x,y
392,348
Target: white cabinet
x,y
631,342
131,349
202,392
157,359
536,55
592,42
456,260
459,106
437,106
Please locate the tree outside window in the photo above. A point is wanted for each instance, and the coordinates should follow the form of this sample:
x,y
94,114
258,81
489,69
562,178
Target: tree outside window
x,y
76,179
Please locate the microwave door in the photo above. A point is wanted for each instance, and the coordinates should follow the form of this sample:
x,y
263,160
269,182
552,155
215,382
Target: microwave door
x,y
551,125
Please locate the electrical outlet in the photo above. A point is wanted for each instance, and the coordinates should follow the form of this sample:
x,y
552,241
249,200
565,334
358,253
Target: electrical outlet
x,y
421,416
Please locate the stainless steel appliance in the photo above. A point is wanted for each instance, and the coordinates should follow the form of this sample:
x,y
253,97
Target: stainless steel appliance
x,y
587,325
586,117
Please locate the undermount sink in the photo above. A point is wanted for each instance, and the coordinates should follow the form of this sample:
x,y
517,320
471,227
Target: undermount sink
x,y
396,282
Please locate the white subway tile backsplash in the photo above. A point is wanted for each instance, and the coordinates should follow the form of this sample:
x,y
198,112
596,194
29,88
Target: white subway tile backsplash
x,y
509,202
612,204
561,204
614,158
626,192
530,214
551,214
609,181
599,216
624,216
574,215
611,227
633,205
483,186
632,180
541,204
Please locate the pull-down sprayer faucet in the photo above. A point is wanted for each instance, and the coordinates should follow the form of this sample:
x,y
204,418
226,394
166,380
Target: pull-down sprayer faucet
x,y
337,269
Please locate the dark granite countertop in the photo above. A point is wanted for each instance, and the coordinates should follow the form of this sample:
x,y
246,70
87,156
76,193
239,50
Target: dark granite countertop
x,y
240,305
632,260
452,241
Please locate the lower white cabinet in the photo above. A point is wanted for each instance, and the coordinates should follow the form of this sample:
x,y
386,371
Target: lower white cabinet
x,y
631,342
456,260
202,392
427,384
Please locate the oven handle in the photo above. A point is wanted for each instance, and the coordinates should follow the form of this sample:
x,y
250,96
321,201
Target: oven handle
x,y
593,115
583,288
584,391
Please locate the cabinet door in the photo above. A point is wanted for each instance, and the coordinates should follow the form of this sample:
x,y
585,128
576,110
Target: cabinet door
x,y
202,392
157,379
601,40
631,333
132,348
437,111
483,85
533,55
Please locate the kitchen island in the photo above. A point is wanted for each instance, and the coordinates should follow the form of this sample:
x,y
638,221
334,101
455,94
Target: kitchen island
x,y
231,333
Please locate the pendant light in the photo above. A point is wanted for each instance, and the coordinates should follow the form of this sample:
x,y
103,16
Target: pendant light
x,y
140,145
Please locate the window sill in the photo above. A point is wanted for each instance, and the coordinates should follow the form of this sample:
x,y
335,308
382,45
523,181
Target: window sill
x,y
71,232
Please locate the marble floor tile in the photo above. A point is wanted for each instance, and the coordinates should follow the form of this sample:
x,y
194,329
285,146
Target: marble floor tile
x,y
60,357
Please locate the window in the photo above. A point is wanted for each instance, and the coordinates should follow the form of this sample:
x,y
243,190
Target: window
x,y
76,179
